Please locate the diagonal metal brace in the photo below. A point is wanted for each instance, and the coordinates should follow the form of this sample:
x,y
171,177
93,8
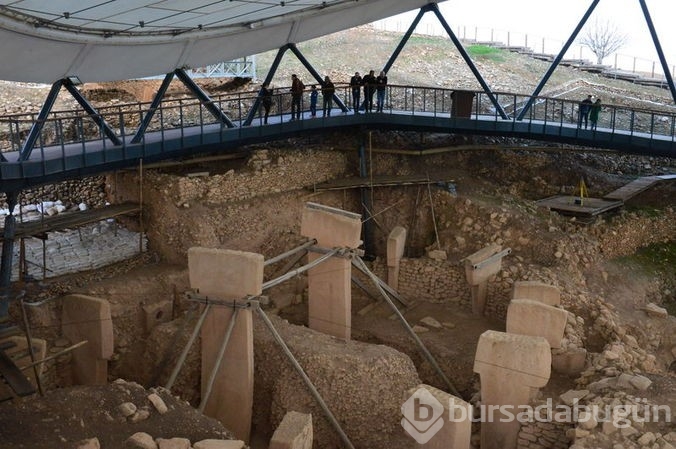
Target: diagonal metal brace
x,y
93,113
204,98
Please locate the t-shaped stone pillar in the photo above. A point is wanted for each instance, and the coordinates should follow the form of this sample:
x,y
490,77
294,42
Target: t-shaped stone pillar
x,y
436,419
88,318
479,267
225,274
528,317
396,243
329,284
510,366
537,291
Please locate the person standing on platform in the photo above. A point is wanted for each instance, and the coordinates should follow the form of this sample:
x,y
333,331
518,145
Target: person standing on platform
x,y
381,88
328,89
266,101
585,107
355,86
297,88
594,112
369,82
314,94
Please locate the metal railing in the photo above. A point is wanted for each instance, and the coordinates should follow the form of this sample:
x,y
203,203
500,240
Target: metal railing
x,y
65,128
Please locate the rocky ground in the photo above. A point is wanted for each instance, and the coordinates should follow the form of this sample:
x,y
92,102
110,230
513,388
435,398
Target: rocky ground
x,y
121,415
609,271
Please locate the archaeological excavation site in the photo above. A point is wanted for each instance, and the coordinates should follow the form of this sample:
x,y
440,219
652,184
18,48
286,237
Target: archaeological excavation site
x,y
251,303
332,283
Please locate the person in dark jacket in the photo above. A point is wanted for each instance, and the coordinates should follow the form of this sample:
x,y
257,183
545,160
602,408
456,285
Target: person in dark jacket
x,y
355,86
381,87
594,112
583,112
297,88
369,82
266,101
328,89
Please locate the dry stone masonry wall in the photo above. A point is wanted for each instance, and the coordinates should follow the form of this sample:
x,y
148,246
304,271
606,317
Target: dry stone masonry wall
x,y
89,248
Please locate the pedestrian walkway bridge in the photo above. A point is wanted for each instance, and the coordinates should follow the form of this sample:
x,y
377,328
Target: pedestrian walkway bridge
x,y
60,145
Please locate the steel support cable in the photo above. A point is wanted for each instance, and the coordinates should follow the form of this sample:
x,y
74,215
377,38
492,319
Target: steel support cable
x,y
166,357
219,360
430,358
392,292
271,283
186,349
308,383
31,351
291,252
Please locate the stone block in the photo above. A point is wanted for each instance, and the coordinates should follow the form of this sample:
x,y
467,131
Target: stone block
x,y
570,397
140,440
330,297
437,254
451,416
225,274
173,443
641,383
527,355
528,317
655,311
481,274
294,432
331,227
511,366
215,272
88,318
537,291
330,284
479,268
587,420
571,362
396,243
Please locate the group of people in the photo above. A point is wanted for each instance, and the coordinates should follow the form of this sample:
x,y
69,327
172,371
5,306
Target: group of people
x,y
589,111
370,84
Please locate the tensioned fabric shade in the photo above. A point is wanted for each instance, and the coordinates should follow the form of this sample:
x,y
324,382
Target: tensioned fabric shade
x,y
107,40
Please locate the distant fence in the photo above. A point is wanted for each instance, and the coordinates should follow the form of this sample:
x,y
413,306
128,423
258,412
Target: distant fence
x,y
537,44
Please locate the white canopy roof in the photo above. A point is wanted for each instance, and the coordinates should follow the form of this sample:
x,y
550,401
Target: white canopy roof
x,y
106,40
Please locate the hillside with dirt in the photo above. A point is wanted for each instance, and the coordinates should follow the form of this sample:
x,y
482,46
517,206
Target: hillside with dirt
x,y
616,272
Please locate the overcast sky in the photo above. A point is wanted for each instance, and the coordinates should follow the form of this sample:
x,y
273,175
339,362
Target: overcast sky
x,y
554,20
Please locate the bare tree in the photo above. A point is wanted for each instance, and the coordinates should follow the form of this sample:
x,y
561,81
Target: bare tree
x,y
604,39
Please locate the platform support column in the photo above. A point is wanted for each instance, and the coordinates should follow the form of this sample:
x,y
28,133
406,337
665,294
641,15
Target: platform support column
x,y
7,256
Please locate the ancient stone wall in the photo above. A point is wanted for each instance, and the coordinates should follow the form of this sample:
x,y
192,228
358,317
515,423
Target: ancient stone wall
x,y
72,251
89,191
255,207
539,435
429,280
